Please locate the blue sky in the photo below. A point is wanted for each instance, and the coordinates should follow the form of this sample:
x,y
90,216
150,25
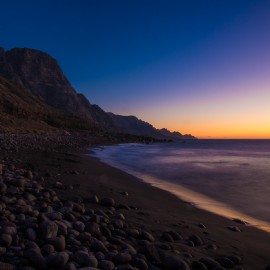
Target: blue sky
x,y
177,64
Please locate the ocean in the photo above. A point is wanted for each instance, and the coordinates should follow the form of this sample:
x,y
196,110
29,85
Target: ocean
x,y
227,177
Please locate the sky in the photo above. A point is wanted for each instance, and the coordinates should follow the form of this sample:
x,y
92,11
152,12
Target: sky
x,y
193,66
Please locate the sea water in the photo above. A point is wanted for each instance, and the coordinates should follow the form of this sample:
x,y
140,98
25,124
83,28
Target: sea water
x,y
227,177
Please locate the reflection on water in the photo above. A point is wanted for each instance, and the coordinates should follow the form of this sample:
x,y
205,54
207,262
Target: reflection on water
x,y
217,174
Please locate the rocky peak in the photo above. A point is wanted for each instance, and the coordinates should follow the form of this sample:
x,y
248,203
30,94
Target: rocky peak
x,y
40,73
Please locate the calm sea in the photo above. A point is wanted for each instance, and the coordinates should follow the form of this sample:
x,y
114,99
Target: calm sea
x,y
228,177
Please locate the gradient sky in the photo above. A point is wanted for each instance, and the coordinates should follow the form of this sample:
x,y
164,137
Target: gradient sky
x,y
200,67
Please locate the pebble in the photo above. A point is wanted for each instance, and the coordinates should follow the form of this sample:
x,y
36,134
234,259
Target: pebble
x,y
108,202
58,260
5,240
147,236
59,242
210,263
106,265
196,240
49,229
174,263
84,259
234,228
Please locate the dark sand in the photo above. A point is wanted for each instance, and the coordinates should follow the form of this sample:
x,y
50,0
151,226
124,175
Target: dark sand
x,y
158,211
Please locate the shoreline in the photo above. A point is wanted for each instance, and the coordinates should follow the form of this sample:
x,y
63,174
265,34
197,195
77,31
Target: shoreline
x,y
150,208
195,198
160,211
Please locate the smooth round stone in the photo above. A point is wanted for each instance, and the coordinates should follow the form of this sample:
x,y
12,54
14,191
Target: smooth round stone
x,y
118,223
79,226
97,245
147,236
49,229
70,266
35,258
196,240
93,228
47,249
133,232
140,264
175,235
167,237
198,266
210,263
31,234
6,266
149,250
106,265
54,215
175,263
5,240
58,242
122,258
58,260
225,262
94,199
109,202
84,259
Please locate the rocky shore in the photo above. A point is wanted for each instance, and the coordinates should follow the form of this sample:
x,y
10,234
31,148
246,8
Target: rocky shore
x,y
59,210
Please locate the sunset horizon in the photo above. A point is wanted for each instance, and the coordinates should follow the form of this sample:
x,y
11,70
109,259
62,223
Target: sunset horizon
x,y
186,66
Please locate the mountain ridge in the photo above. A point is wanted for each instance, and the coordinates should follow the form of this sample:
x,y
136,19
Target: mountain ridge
x,y
39,74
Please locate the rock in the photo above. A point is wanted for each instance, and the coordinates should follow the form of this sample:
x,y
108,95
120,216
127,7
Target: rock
x,y
3,188
149,250
167,237
196,240
29,175
97,245
54,216
234,228
31,234
70,266
140,264
124,193
122,258
174,263
84,259
35,258
6,266
109,202
79,226
210,263
58,260
133,232
118,223
175,235
198,266
106,265
47,249
237,220
5,240
59,243
225,262
124,267
94,199
49,229
146,236
235,259
93,228
201,225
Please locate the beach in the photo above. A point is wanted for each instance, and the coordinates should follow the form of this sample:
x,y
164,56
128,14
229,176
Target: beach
x,y
77,177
